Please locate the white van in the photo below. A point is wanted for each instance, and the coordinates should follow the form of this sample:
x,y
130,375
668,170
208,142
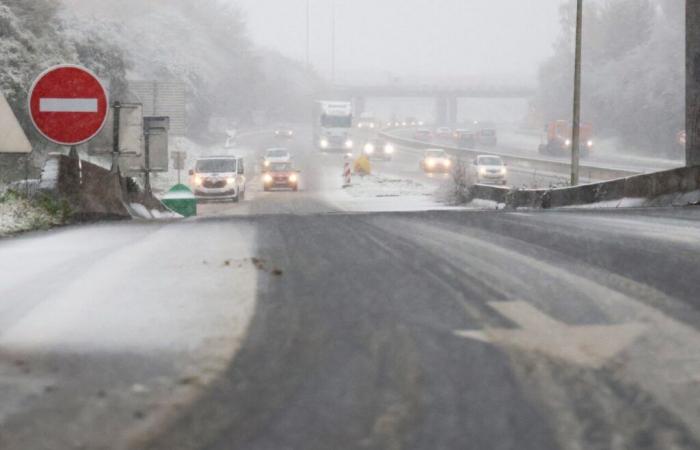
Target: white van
x,y
219,178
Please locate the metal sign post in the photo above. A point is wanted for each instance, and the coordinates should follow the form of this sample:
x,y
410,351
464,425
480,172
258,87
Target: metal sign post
x,y
155,131
179,157
115,137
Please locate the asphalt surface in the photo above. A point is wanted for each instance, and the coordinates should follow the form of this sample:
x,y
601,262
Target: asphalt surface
x,y
374,330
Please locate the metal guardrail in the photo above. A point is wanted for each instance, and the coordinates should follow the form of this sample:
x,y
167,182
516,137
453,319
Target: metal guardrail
x,y
587,171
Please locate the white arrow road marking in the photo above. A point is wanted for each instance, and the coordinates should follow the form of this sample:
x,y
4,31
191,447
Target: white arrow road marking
x,y
82,105
587,345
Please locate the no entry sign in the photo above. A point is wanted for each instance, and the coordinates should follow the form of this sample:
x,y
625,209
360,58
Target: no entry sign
x,y
68,105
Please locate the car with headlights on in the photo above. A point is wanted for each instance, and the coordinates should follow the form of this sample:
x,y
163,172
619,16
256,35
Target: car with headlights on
x,y
379,149
284,133
276,155
436,161
219,178
489,169
281,175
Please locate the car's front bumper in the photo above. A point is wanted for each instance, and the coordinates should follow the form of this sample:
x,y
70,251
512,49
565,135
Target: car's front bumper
x,y
492,179
216,194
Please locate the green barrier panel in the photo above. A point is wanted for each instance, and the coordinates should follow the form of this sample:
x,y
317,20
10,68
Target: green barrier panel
x,y
181,200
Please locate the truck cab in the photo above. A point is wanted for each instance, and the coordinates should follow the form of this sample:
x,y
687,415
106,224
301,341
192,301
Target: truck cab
x,y
333,126
556,139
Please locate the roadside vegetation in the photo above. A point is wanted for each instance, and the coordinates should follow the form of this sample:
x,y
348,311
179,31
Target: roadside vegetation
x,y
19,213
633,73
226,75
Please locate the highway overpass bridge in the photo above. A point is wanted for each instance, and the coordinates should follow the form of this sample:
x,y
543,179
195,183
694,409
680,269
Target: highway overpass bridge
x,y
446,97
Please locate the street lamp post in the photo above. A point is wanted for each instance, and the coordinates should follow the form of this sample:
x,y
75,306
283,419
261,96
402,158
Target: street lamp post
x,y
333,41
308,34
576,126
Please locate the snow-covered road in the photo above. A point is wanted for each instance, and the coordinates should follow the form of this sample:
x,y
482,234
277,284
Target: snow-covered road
x,y
135,316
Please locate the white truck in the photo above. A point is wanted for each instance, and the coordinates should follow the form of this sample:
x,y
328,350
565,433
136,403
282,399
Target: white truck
x,y
333,126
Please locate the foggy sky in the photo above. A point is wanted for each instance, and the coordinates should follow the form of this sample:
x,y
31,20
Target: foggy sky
x,y
412,40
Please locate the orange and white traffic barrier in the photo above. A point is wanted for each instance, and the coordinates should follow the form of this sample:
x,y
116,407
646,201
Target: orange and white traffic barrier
x,y
347,174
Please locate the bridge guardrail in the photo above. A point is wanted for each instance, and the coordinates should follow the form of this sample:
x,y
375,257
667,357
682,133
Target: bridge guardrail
x,y
588,171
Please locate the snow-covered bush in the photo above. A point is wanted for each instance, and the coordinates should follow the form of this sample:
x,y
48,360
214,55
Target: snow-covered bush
x,y
457,190
33,38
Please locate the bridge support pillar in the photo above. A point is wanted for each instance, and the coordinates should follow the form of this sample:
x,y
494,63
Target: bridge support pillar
x,y
360,103
453,110
441,113
692,90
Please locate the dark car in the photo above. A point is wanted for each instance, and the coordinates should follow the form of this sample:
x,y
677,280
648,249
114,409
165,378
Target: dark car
x,y
487,137
467,139
281,175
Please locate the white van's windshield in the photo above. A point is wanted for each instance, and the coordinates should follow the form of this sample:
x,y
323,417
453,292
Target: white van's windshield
x,y
216,165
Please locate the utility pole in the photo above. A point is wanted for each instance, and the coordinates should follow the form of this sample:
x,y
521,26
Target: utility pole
x,y
576,126
692,79
333,42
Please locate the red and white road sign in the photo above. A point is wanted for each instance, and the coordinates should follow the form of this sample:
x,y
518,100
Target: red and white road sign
x,y
68,105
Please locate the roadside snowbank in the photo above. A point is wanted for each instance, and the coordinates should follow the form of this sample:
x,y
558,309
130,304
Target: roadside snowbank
x,y
386,186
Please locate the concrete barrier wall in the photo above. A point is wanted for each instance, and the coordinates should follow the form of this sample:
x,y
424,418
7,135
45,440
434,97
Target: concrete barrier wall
x,y
666,187
92,191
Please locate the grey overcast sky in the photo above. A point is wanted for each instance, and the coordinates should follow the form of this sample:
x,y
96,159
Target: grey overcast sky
x,y
411,39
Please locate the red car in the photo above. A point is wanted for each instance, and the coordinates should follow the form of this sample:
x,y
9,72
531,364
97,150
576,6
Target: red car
x,y
443,132
281,175
423,135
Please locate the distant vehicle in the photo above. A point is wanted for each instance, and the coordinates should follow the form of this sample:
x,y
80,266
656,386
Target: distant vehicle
x,y
458,132
413,122
490,169
443,132
276,155
367,121
332,126
556,139
281,175
219,178
487,137
467,139
436,161
284,133
423,134
379,149
231,138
